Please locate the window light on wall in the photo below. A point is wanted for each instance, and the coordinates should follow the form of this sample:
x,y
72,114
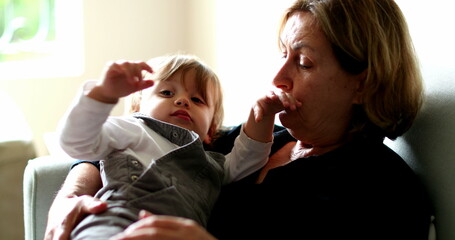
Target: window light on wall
x,y
40,39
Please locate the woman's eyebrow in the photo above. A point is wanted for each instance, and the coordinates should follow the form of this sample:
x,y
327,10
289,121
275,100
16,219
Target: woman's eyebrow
x,y
299,45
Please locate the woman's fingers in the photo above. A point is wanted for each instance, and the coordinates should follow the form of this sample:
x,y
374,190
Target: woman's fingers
x,y
72,210
90,205
84,205
159,221
161,227
144,214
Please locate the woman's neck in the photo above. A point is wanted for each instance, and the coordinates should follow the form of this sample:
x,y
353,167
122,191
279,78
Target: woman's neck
x,y
301,149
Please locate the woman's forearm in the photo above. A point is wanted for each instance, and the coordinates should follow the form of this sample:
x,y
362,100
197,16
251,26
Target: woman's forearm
x,y
83,179
74,201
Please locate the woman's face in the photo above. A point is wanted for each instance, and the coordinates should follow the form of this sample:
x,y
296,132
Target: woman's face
x,y
312,75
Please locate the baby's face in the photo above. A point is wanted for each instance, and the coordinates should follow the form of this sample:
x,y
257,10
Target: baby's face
x,y
179,102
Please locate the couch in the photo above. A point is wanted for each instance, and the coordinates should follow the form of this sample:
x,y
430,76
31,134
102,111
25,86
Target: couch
x,y
16,148
13,159
428,147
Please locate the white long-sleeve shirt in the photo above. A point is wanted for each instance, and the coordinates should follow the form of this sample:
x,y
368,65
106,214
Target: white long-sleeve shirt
x,y
88,132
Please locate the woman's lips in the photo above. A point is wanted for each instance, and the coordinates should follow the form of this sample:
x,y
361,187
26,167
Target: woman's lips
x,y
182,115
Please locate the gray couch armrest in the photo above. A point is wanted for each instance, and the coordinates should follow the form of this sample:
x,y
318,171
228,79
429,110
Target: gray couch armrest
x,y
43,177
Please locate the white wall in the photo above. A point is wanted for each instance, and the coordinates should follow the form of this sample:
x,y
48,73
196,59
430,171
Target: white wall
x,y
428,146
113,29
431,27
236,37
246,48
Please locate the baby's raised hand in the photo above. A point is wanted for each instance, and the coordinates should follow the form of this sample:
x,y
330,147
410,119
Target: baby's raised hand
x,y
288,101
121,79
274,102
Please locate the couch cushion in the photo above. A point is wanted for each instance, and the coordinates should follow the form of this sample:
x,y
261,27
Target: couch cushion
x,y
46,174
429,148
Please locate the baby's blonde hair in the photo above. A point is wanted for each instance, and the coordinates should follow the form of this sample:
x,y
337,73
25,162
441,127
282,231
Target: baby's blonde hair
x,y
206,80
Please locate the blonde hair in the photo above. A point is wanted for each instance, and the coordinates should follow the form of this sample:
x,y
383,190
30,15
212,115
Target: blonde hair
x,y
206,80
372,35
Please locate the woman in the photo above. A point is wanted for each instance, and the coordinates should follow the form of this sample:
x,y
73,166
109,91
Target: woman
x,y
352,67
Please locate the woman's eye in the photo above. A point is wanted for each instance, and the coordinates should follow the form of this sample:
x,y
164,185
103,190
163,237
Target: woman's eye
x,y
305,63
303,66
166,93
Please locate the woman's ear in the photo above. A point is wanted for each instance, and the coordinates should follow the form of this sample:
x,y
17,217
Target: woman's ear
x,y
360,78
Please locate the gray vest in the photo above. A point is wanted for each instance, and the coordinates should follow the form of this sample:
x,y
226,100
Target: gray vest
x,y
185,182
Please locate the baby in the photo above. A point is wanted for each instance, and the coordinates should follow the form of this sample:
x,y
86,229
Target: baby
x,y
154,159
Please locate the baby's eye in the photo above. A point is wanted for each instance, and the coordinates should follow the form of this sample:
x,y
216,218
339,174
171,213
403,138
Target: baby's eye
x,y
197,100
166,93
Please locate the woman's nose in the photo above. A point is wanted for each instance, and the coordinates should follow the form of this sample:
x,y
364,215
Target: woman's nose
x,y
182,102
283,79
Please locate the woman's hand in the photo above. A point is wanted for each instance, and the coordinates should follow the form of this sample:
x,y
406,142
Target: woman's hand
x,y
159,227
67,211
74,201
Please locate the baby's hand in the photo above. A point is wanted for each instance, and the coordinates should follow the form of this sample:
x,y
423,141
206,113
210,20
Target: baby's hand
x,y
288,101
121,79
274,102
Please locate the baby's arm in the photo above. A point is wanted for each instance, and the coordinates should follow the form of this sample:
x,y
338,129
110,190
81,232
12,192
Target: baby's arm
x,y
262,115
85,132
252,146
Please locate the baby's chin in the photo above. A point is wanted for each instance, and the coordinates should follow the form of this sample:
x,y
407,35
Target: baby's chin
x,y
184,124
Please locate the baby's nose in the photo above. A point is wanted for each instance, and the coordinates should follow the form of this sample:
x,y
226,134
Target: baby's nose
x,y
182,102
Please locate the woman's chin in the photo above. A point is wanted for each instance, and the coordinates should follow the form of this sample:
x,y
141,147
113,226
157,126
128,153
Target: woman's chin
x,y
284,118
290,121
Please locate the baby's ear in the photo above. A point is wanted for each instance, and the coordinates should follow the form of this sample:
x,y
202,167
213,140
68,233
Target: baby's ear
x,y
209,137
135,108
134,102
